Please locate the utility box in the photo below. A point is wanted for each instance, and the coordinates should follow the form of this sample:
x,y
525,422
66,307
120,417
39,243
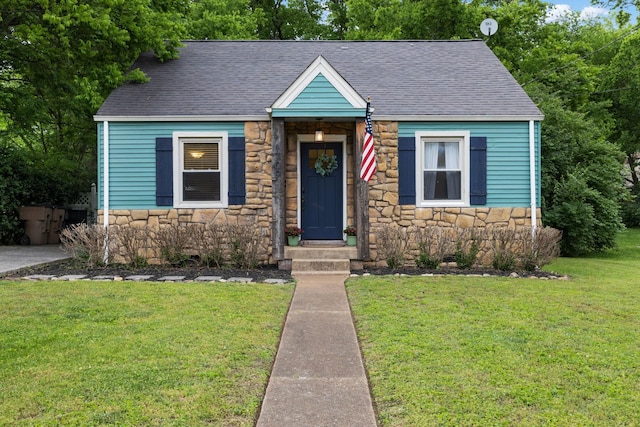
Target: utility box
x,y
37,222
57,221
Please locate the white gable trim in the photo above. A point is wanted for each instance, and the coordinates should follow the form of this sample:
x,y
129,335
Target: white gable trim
x,y
319,65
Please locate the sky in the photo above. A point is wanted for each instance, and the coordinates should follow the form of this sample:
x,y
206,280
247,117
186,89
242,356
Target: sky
x,y
583,6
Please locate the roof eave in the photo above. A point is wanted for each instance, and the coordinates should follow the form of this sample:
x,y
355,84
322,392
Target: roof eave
x,y
458,118
182,118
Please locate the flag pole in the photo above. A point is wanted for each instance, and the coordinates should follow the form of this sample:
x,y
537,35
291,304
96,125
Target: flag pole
x,y
368,165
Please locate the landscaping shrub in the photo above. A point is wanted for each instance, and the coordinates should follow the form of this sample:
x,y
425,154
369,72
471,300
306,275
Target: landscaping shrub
x,y
88,243
468,244
173,242
245,245
434,243
133,244
579,212
541,248
392,245
209,244
504,245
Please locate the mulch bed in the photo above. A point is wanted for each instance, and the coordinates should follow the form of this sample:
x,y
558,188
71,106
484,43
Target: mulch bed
x,y
259,274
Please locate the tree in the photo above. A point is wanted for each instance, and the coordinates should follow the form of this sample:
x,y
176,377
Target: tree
x,y
621,85
60,59
222,19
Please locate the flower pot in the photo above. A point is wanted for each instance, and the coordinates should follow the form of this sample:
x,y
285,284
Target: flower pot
x,y
293,240
351,240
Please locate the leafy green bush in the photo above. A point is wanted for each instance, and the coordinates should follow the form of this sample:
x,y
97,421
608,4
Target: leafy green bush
x,y
589,220
631,208
582,184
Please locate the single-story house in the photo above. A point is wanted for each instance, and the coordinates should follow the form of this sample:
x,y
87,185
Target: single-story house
x,y
233,130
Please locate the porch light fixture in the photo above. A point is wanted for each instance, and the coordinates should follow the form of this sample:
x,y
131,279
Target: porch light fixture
x,y
196,154
319,136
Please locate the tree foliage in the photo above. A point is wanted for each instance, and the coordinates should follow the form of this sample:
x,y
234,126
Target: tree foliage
x,y
59,60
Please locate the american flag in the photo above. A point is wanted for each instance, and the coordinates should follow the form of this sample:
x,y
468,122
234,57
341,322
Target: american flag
x,y
368,164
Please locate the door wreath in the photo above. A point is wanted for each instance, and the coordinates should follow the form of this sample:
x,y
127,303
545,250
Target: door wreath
x,y
326,164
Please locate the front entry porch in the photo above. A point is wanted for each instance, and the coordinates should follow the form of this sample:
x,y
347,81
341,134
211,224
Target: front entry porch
x,y
315,183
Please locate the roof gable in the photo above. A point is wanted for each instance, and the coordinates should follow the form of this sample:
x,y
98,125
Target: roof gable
x,y
320,89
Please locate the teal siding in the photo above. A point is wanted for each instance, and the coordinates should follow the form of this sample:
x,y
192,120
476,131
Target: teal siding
x,y
132,157
320,93
319,98
507,156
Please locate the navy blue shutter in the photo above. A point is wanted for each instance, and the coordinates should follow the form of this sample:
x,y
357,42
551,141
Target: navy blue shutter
x,y
407,170
478,170
164,171
237,191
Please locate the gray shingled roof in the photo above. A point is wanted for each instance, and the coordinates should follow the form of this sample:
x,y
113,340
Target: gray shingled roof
x,y
240,78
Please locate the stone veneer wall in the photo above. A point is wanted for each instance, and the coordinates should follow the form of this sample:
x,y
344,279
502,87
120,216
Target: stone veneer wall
x,y
257,209
384,209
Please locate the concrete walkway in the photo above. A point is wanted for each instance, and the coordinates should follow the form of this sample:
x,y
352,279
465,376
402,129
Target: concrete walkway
x,y
16,257
318,378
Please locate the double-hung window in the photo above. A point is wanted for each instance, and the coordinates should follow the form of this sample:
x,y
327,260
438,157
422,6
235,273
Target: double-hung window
x,y
442,163
202,169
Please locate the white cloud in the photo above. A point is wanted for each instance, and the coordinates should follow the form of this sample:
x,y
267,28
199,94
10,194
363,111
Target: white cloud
x,y
592,12
558,12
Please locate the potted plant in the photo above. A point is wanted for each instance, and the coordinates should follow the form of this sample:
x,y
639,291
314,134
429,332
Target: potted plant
x,y
293,235
351,233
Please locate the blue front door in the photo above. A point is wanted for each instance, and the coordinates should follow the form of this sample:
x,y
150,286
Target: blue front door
x,y
321,196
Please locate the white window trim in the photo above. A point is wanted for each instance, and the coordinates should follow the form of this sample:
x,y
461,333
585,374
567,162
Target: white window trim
x,y
178,162
464,153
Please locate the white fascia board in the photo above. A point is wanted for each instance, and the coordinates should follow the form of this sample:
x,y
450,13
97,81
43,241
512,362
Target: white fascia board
x,y
455,118
248,118
319,66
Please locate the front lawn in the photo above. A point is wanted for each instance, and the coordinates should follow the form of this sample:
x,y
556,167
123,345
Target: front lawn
x,y
125,353
503,351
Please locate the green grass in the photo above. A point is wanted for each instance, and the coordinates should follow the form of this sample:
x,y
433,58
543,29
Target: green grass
x,y
125,353
501,351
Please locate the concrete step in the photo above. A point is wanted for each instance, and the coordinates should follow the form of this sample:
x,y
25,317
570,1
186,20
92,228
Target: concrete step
x,y
321,266
310,253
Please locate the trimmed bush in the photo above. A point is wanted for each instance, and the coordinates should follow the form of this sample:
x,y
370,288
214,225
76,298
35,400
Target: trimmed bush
x,y
89,244
433,243
392,245
245,245
468,245
133,244
173,242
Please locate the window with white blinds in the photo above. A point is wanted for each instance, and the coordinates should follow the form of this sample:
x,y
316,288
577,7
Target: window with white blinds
x,y
202,174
